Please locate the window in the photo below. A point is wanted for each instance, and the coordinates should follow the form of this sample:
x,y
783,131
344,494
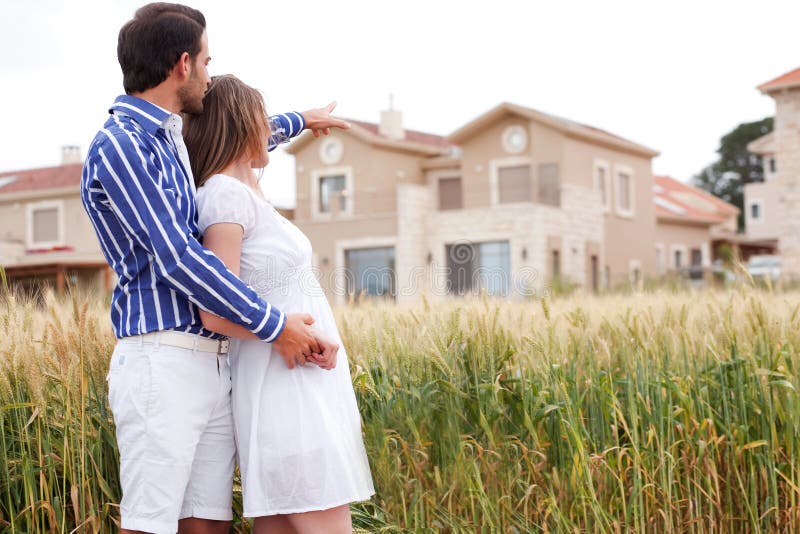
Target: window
x,y
476,266
624,191
515,139
755,211
602,183
772,167
45,228
678,259
332,189
370,271
330,151
450,193
514,184
549,185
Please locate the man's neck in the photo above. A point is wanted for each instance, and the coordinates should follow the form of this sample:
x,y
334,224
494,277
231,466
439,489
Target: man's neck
x,y
163,97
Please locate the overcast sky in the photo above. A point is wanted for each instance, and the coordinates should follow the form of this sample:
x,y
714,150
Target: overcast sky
x,y
674,76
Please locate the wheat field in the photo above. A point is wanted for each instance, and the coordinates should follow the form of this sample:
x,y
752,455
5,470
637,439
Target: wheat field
x,y
645,412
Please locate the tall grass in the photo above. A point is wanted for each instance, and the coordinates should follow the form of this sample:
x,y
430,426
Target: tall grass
x,y
651,413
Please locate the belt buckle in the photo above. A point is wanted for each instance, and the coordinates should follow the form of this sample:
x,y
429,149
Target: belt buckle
x,y
222,347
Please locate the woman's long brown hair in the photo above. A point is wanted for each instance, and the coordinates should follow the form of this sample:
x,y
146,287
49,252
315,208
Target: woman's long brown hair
x,y
233,125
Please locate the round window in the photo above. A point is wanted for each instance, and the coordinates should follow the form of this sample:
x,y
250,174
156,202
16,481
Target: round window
x,y
515,139
330,151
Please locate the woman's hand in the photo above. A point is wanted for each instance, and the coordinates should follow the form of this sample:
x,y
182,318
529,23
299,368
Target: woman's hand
x,y
327,358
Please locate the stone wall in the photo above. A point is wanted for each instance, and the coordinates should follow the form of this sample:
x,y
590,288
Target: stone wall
x,y
787,159
527,227
414,203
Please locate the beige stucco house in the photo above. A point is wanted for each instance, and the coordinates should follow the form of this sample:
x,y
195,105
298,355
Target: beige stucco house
x,y
772,207
506,203
45,236
689,222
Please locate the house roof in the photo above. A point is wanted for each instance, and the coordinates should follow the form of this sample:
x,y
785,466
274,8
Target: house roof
x,y
784,81
415,141
567,126
41,179
679,202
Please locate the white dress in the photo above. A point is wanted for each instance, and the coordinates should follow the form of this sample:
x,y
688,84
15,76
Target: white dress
x,y
298,431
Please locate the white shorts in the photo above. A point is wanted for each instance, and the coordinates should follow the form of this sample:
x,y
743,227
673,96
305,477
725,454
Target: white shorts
x,y
172,410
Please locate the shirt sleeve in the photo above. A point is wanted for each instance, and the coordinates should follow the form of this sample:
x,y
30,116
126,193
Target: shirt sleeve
x,y
284,127
149,214
225,200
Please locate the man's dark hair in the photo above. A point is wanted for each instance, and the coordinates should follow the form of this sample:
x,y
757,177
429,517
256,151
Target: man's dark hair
x,y
151,43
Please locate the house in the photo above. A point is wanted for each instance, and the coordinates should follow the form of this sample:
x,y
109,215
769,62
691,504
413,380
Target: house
x,y
690,226
772,207
45,235
508,202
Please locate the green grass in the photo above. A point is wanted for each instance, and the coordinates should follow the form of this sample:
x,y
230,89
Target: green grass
x,y
657,412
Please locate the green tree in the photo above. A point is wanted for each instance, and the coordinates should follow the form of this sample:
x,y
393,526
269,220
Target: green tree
x,y
735,167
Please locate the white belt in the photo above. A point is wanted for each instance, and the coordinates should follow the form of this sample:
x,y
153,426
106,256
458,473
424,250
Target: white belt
x,y
186,341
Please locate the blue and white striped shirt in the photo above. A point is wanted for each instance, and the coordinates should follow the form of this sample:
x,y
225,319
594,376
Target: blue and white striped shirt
x,y
138,190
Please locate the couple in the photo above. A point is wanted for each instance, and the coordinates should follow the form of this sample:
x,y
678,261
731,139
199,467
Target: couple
x,y
184,398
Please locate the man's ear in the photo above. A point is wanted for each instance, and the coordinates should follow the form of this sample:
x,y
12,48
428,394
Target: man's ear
x,y
183,67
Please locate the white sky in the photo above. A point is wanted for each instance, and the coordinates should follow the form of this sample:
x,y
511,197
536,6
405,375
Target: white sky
x,y
673,75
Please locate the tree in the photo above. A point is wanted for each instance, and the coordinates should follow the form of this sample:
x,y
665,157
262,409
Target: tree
x,y
735,167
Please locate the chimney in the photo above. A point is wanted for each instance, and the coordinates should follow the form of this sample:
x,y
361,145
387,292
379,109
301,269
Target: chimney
x,y
391,125
71,154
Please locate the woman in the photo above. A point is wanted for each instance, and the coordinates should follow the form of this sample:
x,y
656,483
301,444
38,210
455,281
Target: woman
x,y
298,431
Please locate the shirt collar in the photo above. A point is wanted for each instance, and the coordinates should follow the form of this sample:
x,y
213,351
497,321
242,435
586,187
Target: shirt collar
x,y
149,116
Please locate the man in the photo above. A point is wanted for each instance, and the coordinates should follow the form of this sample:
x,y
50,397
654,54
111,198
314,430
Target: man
x,y
169,384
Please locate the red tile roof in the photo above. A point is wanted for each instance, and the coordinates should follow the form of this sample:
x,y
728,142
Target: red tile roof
x,y
679,201
785,80
41,179
411,135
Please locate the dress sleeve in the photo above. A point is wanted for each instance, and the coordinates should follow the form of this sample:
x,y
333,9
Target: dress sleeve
x,y
225,200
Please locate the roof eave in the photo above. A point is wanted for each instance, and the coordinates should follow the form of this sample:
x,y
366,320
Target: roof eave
x,y
30,194
471,128
688,220
407,146
769,88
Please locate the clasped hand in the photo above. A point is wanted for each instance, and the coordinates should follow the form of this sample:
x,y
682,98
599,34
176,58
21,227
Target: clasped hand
x,y
299,343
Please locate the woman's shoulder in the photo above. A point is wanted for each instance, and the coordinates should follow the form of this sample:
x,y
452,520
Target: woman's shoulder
x,y
221,182
223,188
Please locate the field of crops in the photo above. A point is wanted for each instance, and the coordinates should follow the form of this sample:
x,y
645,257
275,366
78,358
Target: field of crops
x,y
654,412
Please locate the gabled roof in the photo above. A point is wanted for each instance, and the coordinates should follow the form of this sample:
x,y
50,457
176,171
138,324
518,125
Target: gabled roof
x,y
784,81
763,145
419,142
568,127
41,179
679,202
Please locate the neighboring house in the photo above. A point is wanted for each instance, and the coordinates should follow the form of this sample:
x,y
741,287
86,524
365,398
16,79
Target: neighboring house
x,y
772,207
45,236
689,221
506,203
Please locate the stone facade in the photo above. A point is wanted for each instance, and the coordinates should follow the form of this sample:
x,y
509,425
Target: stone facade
x,y
529,229
787,160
